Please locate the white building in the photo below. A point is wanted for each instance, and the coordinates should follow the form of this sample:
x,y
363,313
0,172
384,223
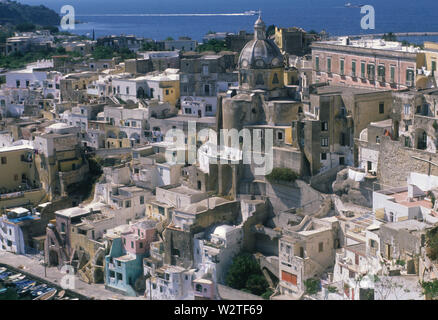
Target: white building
x,y
169,283
214,253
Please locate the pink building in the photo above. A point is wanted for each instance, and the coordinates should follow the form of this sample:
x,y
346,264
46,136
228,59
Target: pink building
x,y
142,234
367,63
204,289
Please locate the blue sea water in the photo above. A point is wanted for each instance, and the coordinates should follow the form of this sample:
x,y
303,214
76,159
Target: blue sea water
x,y
330,15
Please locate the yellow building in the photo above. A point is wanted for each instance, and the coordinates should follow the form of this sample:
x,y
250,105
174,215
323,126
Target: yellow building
x,y
17,169
431,53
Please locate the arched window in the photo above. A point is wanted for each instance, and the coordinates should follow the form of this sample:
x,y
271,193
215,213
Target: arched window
x,y
259,79
275,79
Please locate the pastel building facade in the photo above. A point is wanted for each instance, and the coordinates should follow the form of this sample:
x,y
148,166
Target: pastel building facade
x,y
124,264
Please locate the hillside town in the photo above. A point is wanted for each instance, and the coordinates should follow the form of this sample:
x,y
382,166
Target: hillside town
x,y
106,167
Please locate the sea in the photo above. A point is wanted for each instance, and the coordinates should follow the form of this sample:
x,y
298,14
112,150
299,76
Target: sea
x,y
159,19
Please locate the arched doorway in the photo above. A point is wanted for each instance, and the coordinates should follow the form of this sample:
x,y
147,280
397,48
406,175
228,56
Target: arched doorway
x,y
53,258
140,93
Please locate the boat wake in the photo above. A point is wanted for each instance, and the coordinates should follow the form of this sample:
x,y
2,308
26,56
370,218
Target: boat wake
x,y
246,13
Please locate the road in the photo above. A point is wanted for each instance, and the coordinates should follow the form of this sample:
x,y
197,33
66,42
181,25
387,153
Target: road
x,y
34,267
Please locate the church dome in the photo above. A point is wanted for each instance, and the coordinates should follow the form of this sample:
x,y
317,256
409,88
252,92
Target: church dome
x,y
260,53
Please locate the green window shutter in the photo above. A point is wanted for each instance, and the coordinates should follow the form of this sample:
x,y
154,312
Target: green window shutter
x,y
353,68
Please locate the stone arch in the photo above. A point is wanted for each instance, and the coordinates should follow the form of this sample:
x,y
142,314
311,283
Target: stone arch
x,y
122,135
135,136
420,139
111,134
99,263
53,258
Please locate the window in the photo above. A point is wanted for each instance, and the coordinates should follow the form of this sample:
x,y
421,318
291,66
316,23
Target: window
x,y
167,92
377,139
207,89
17,83
324,142
353,68
317,64
433,67
208,108
323,156
280,136
329,65
4,160
259,79
320,247
362,69
409,77
324,126
141,199
275,79
63,227
381,73
392,68
381,107
407,109
141,245
205,70
127,90
408,142
342,67
371,71
342,139
27,83
132,244
128,204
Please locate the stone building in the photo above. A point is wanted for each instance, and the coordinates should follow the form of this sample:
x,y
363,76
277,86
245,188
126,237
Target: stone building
x,y
306,251
202,79
367,63
294,41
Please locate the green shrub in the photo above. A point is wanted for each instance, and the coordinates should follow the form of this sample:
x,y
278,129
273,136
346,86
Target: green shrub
x,y
432,243
282,174
312,286
244,274
430,289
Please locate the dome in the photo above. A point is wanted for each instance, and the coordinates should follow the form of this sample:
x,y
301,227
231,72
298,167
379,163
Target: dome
x,y
260,53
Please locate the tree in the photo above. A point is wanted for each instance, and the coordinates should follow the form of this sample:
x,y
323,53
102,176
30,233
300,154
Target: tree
x,y
257,284
243,266
312,286
169,39
25,27
430,289
213,45
102,52
432,244
244,274
389,37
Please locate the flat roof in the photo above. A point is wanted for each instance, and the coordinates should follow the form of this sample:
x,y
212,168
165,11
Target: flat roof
x,y
411,225
16,148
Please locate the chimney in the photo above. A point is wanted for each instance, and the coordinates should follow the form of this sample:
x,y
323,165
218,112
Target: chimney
x,y
410,192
